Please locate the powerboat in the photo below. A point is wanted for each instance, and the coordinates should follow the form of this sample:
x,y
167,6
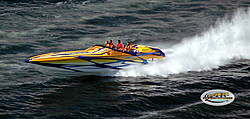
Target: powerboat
x,y
95,60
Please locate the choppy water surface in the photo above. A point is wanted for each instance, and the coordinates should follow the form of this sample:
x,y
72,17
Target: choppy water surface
x,y
206,45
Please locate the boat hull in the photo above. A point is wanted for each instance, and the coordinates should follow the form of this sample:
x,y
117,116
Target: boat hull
x,y
53,71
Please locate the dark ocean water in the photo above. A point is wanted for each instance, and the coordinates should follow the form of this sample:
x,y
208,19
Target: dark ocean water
x,y
206,43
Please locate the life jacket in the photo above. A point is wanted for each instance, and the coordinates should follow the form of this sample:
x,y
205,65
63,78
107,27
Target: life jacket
x,y
111,44
119,45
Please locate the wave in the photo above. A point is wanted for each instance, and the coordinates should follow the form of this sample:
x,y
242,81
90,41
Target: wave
x,y
227,40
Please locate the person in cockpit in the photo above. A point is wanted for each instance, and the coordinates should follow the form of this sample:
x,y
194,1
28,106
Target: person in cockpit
x,y
110,43
106,43
112,46
122,48
119,45
129,47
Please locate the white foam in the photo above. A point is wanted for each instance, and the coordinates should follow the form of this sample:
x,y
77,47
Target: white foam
x,y
228,40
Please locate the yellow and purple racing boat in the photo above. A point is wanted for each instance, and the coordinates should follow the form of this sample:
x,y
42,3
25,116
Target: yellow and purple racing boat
x,y
95,60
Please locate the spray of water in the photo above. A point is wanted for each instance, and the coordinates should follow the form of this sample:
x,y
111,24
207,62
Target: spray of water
x,y
226,41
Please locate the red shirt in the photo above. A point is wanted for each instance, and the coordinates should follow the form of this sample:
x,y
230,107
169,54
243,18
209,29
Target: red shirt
x,y
110,44
118,45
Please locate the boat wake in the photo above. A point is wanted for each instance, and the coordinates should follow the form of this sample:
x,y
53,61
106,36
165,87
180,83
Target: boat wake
x,y
227,40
